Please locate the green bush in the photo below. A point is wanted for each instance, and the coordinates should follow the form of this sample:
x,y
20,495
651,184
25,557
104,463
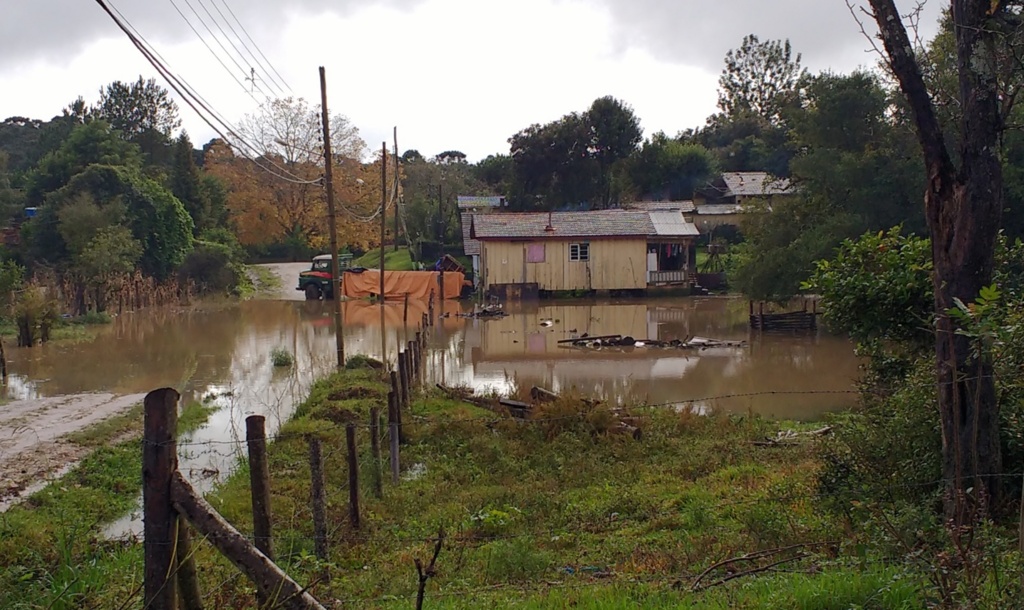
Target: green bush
x,y
281,357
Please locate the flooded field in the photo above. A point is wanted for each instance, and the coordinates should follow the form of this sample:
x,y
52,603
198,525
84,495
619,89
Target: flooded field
x,y
222,353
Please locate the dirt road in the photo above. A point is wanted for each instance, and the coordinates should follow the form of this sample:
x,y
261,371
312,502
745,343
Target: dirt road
x,y
33,433
32,443
288,273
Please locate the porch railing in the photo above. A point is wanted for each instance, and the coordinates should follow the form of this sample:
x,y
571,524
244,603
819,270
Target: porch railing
x,y
668,277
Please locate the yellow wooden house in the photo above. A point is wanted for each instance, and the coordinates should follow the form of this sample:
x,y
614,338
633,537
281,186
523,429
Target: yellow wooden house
x,y
599,250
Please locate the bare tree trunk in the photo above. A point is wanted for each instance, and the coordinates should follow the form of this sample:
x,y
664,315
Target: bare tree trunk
x,y
963,208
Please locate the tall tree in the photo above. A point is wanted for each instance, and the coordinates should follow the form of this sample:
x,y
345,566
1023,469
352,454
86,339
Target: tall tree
x,y
137,108
88,143
614,135
143,112
186,185
666,168
759,78
963,204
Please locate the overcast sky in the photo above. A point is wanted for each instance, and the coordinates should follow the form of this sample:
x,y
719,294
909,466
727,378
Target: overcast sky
x,y
450,74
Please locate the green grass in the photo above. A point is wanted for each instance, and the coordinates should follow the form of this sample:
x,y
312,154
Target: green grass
x,y
118,426
557,513
67,330
264,281
49,549
393,261
280,357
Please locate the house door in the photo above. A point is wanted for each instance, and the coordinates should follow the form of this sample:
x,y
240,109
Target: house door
x,y
652,264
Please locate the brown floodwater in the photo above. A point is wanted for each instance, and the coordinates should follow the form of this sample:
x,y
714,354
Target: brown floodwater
x,y
222,353
225,351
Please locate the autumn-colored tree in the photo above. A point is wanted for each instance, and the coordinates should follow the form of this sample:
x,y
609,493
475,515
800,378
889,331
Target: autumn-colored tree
x,y
273,173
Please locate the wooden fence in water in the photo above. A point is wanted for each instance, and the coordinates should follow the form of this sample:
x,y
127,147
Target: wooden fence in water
x,y
172,508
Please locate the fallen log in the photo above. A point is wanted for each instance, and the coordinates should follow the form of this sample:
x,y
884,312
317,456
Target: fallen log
x,y
540,394
517,408
269,579
624,428
470,398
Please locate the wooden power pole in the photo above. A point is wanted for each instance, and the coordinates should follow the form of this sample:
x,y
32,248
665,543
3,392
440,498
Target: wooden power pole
x,y
332,221
383,210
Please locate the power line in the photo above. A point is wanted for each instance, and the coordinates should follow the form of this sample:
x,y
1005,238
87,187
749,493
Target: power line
x,y
242,27
210,49
252,70
194,101
227,22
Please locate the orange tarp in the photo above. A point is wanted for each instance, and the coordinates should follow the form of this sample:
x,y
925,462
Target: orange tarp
x,y
417,284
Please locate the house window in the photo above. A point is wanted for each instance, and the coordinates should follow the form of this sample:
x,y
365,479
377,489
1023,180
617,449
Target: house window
x,y
579,252
535,253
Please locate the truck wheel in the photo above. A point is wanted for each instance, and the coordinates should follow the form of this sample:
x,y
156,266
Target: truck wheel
x,y
312,292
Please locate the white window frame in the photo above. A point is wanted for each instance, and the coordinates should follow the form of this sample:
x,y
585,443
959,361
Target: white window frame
x,y
579,252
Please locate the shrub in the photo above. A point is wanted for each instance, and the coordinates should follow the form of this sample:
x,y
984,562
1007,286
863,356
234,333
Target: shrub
x,y
281,357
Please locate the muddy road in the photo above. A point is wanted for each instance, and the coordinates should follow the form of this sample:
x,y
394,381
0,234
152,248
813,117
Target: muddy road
x,y
33,443
33,432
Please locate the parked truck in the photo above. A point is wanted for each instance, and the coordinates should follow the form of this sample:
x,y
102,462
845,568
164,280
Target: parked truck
x,y
316,282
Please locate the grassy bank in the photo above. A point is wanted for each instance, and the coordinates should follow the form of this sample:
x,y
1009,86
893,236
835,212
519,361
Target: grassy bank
x,y
393,261
553,513
51,553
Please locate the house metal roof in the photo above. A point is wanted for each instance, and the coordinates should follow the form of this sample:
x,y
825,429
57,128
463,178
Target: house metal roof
x,y
719,209
753,184
685,206
594,223
672,224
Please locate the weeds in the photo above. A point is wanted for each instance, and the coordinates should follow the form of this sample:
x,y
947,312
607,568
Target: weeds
x,y
281,357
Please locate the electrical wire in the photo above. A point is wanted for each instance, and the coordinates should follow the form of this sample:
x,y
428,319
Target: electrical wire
x,y
252,70
194,101
270,77
258,50
212,52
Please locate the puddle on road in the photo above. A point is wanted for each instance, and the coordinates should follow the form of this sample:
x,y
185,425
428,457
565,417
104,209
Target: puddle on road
x,y
225,350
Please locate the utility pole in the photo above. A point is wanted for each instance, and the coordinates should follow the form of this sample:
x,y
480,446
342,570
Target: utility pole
x,y
383,210
332,221
440,221
397,201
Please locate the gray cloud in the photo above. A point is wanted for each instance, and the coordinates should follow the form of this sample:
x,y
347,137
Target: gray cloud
x,y
700,32
58,29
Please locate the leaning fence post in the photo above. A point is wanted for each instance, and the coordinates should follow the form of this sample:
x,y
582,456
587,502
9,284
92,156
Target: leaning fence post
x,y
259,483
378,475
159,463
396,392
316,467
418,345
353,475
406,378
393,437
185,564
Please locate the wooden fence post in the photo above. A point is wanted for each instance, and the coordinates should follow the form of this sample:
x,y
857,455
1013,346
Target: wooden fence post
x,y
316,467
393,438
418,349
378,475
267,577
440,279
353,475
159,463
406,378
185,564
405,311
259,483
396,394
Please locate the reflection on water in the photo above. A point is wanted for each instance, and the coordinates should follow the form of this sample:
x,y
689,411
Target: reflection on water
x,y
792,376
224,351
